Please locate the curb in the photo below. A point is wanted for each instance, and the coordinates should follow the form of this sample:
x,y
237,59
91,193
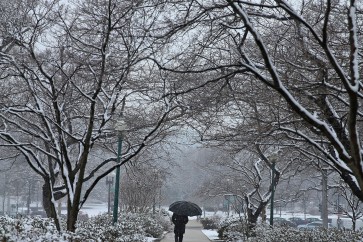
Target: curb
x,y
162,237
213,240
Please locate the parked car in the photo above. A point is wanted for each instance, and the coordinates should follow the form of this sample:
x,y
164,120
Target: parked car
x,y
276,219
313,225
39,213
297,220
312,219
284,223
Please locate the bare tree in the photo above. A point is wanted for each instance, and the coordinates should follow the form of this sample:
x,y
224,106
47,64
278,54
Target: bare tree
x,y
141,188
303,53
246,179
353,208
74,71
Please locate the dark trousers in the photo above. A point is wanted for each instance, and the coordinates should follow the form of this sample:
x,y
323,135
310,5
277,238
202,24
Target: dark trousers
x,y
178,237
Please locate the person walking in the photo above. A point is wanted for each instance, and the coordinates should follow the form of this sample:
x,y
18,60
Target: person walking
x,y
179,222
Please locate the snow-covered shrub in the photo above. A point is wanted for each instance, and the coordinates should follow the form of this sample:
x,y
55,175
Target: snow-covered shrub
x,y
154,226
100,228
28,229
316,235
235,230
284,234
210,223
130,228
232,229
165,221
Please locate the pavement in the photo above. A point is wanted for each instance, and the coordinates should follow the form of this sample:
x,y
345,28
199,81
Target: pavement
x,y
193,233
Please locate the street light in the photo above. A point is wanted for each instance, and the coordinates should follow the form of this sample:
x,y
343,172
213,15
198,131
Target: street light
x,y
156,184
273,160
119,127
109,183
28,201
227,196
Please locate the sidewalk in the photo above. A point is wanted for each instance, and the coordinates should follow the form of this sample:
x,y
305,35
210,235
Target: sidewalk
x,y
193,233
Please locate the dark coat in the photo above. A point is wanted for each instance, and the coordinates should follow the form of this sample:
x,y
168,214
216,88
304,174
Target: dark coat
x,y
179,221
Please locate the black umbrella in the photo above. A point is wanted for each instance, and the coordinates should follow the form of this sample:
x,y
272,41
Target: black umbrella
x,y
185,208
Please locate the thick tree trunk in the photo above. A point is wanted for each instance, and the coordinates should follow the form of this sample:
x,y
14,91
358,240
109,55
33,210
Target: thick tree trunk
x,y
48,206
252,221
72,216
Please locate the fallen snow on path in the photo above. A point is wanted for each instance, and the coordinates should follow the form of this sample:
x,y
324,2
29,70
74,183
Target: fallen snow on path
x,y
148,239
211,234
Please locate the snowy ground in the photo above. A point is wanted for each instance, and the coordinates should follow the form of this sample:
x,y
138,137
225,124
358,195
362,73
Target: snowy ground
x,y
100,208
95,209
211,234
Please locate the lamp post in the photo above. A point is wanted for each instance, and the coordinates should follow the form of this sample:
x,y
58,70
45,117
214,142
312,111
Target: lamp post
x,y
119,127
28,201
227,196
273,160
156,184
324,199
109,183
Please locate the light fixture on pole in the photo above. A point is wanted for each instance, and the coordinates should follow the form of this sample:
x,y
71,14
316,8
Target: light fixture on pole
x,y
119,127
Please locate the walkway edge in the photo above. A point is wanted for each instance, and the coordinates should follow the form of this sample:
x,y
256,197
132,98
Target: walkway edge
x,y
162,237
211,238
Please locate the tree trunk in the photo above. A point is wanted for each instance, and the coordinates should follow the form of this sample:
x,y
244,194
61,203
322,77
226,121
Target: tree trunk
x,y
72,216
263,215
48,205
252,221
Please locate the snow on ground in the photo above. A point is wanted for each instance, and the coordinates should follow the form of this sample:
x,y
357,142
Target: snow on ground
x,y
148,239
211,234
95,209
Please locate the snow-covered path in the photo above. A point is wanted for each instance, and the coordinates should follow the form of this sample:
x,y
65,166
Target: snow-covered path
x,y
193,233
